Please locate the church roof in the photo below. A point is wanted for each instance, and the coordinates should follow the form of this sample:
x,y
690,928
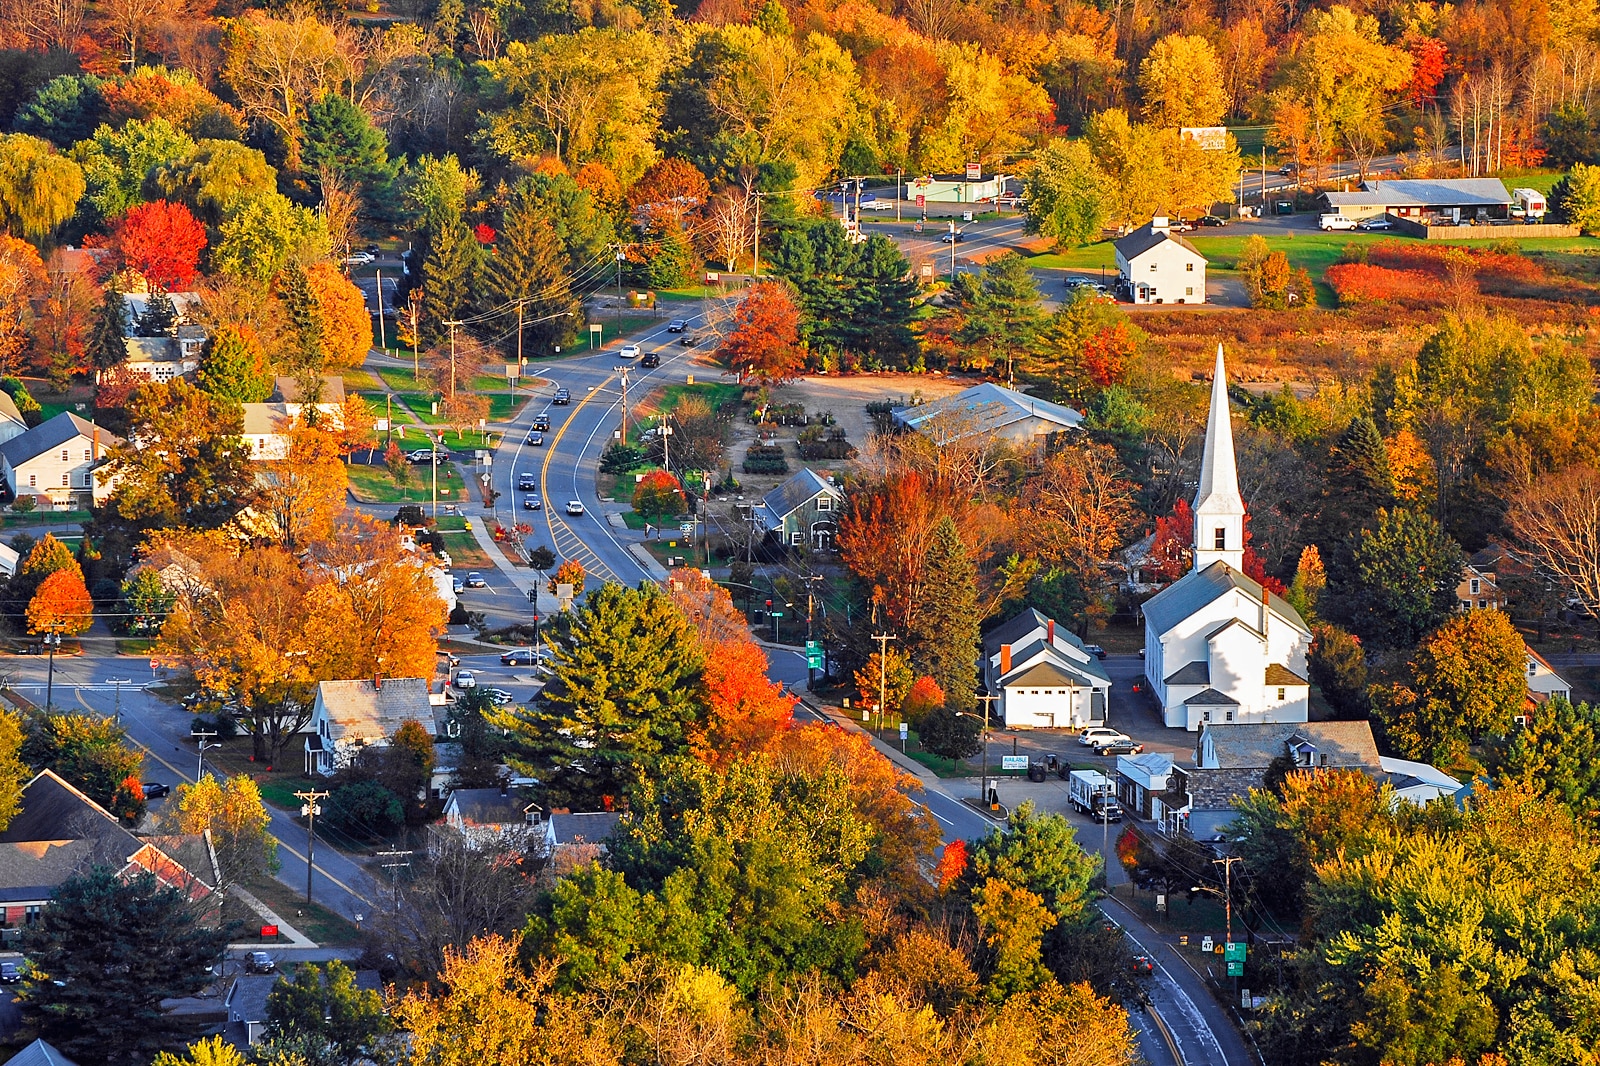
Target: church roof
x,y
1278,674
1195,673
1197,588
1219,476
1242,624
1211,698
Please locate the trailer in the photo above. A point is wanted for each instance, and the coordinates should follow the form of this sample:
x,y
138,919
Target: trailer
x,y
1091,792
1530,204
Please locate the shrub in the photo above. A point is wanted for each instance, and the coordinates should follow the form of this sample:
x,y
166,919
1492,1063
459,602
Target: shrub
x,y
1356,283
765,459
619,458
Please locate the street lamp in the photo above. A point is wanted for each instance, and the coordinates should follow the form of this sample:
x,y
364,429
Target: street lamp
x,y
200,756
52,640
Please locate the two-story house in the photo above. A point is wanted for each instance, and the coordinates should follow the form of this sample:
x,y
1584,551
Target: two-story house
x,y
802,512
1159,267
1043,674
351,715
267,425
58,460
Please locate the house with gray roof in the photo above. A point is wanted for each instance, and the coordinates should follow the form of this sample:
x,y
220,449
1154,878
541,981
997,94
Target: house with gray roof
x,y
1421,198
1156,266
162,358
58,460
988,410
564,829
1218,646
802,512
495,817
351,715
40,1053
1044,675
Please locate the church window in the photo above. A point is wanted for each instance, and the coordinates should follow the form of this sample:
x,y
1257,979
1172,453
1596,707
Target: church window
x,y
1220,539
1281,693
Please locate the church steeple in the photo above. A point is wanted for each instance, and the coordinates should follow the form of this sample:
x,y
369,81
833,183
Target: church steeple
x,y
1218,507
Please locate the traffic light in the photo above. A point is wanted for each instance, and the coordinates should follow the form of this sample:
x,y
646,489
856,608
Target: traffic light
x,y
769,603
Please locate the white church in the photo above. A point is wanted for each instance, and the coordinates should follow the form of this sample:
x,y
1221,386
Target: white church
x,y
1217,646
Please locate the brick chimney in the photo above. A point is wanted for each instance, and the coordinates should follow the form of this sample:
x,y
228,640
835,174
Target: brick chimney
x,y
1005,659
1050,632
377,682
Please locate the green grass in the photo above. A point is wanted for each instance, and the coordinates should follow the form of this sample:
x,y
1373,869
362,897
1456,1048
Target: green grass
x,y
378,403
714,393
314,920
1541,181
279,789
613,329
374,484
360,381
399,379
634,520
134,645
44,521
465,552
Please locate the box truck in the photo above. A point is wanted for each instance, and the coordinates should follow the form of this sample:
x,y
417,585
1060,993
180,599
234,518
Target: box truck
x,y
1090,791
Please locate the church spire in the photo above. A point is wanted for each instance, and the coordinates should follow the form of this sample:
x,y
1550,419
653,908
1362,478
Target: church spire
x,y
1218,507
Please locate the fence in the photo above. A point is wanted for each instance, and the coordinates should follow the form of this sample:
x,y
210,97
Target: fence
x,y
1413,228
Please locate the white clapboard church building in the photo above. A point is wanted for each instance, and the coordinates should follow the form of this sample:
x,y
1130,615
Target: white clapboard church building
x,y
1217,646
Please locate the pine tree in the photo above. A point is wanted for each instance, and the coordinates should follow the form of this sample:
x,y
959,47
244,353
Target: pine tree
x,y
449,270
160,318
340,137
944,629
108,343
305,319
1358,484
672,262
528,264
233,365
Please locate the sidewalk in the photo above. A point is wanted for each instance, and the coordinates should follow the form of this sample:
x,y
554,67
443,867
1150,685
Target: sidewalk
x,y
288,935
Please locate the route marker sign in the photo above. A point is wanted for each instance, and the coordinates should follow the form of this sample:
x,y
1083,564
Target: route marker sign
x,y
813,654
1234,951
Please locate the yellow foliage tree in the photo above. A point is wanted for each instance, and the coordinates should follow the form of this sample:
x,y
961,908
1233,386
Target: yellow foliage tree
x,y
234,815
342,310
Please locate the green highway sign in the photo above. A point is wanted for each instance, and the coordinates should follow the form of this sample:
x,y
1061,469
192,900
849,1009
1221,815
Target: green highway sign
x,y
777,614
1236,969
814,660
1234,952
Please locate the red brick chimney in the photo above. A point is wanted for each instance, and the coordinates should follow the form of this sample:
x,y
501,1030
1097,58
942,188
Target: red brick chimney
x,y
1050,632
1005,659
377,682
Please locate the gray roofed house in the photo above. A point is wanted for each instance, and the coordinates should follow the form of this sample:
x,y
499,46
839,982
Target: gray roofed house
x,y
494,816
991,410
1043,674
351,715
246,1003
161,358
564,829
12,424
57,459
1330,745
1418,197
1184,597
802,511
39,1053
287,390
1157,266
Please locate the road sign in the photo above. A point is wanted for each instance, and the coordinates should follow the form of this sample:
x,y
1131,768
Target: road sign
x,y
903,731
1013,762
813,654
686,528
1205,944
1234,952
1235,969
513,370
922,201
777,614
974,171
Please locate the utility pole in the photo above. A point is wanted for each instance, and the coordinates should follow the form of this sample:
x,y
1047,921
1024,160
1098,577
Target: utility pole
x,y
623,370
200,754
433,466
453,323
393,867
987,699
520,362
810,604
620,257
952,249
383,343
118,682
1227,888
52,640
310,809
898,171
883,640
755,264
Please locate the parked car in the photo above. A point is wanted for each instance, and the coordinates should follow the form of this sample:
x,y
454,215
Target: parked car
x,y
952,237
1211,220
651,360
1182,226
1102,739
499,696
1377,222
574,507
561,398
360,258
1335,222
519,657
677,325
10,972
464,679
527,481
475,581
458,586
541,421
532,503
1289,169
1119,747
629,351
260,962
1099,734
534,439
154,790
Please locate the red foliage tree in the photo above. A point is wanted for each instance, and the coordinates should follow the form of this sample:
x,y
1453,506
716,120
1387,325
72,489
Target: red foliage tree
x,y
1427,69
667,193
924,696
1173,545
484,233
659,495
765,342
1106,354
952,864
162,241
746,710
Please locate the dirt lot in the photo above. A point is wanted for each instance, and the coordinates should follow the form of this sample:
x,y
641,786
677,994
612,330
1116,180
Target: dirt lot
x,y
846,398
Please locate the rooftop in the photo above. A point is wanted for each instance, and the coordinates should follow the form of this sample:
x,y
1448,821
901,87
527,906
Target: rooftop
x,y
984,408
1147,237
369,709
796,492
489,806
588,828
53,433
1197,588
1254,745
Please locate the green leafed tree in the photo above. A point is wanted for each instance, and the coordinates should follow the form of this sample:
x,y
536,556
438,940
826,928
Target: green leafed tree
x,y
214,178
1338,667
14,773
263,233
146,601
450,262
117,161
65,110
1402,578
108,341
92,753
322,1005
943,635
338,137
529,265
1575,199
1558,753
106,950
39,189
233,366
1065,192
1040,853
625,692
1002,315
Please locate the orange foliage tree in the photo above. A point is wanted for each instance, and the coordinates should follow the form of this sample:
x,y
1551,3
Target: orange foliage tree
x,y
1106,354
952,864
668,193
22,276
765,341
62,605
571,573
883,539
924,696
346,325
161,241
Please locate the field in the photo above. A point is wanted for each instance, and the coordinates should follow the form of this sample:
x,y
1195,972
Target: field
x,y
374,484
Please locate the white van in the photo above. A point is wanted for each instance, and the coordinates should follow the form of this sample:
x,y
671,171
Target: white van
x,y
1335,221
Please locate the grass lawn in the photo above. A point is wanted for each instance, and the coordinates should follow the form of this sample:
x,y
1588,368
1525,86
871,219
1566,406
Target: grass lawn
x,y
134,645
465,553
490,383
1541,181
314,920
613,329
41,522
714,393
399,379
634,520
374,484
360,381
376,402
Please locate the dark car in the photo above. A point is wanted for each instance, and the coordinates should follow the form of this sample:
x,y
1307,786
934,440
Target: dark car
x,y
154,790
689,340
260,962
10,972
527,482
561,398
678,325
650,361
1119,747
1096,650
520,657
532,503
1211,220
541,421
475,581
534,439
952,238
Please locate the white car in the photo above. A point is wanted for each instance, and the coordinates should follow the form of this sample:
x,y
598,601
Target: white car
x,y
360,258
629,351
574,507
1097,735
464,679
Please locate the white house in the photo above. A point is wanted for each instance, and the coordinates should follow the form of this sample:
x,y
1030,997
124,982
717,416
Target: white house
x,y
12,424
57,459
164,358
564,829
495,817
266,425
1543,681
1158,267
991,410
1043,675
804,510
1418,782
1217,646
351,715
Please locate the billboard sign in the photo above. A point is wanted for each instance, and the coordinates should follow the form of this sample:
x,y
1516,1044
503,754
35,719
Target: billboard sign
x,y
1211,138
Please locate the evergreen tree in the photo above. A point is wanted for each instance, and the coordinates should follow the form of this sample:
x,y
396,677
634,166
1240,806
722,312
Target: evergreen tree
x,y
1558,753
528,264
449,271
1401,581
233,365
671,262
305,319
944,732
160,318
944,629
108,344
1356,485
1001,308
106,950
339,137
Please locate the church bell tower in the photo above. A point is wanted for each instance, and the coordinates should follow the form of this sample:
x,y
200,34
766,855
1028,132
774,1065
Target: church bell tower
x,y
1218,507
